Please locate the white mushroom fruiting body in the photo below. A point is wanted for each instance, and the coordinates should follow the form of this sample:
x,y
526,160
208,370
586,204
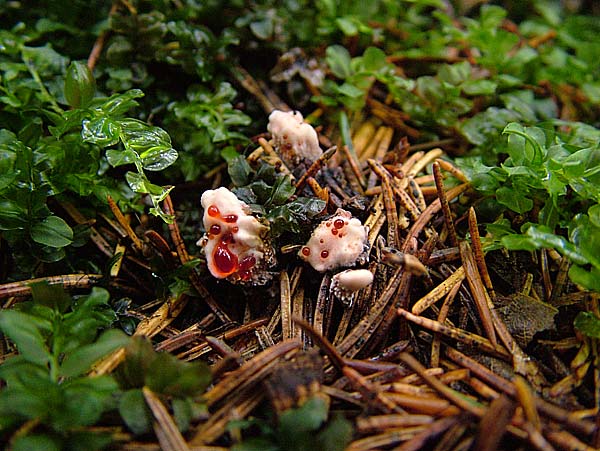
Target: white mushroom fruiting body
x,y
234,242
295,140
337,242
345,284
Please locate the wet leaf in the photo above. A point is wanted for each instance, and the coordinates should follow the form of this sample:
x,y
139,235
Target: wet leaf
x,y
52,231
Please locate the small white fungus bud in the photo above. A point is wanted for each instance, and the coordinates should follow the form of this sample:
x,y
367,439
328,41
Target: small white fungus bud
x,y
345,284
295,140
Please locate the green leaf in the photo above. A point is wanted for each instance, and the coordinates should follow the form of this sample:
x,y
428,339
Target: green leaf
x,y
37,442
594,215
103,131
117,157
336,436
52,231
139,355
82,359
373,59
282,191
168,375
544,238
262,29
514,199
118,104
157,159
52,296
590,279
80,85
588,324
338,59
135,412
256,444
85,399
347,25
90,313
309,417
531,150
182,412
479,87
88,440
239,170
27,332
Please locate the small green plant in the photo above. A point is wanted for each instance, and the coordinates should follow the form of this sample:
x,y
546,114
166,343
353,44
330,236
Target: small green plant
x,y
551,178
309,427
269,194
208,122
179,383
47,401
37,165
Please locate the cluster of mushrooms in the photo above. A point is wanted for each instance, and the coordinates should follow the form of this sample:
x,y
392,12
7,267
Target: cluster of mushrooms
x,y
237,244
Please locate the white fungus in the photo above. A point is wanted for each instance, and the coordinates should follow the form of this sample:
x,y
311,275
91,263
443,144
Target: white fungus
x,y
295,140
339,241
235,241
345,284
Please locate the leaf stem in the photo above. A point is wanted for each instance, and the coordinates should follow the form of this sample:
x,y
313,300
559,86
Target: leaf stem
x,y
45,94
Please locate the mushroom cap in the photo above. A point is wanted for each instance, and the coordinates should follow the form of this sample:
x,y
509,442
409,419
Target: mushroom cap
x,y
354,279
295,140
235,242
339,241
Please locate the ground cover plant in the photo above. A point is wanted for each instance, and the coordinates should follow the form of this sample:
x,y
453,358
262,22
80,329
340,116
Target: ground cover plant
x,y
462,135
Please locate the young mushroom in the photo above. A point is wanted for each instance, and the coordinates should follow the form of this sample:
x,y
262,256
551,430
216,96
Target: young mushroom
x,y
345,285
295,141
339,241
235,243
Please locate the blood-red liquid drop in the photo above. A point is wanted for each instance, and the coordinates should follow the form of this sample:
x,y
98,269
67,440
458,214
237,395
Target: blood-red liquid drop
x,y
338,223
306,251
230,218
334,231
247,262
225,260
245,275
324,254
235,229
213,211
215,229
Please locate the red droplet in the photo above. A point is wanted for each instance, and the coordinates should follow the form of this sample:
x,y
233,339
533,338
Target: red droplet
x,y
213,211
225,260
324,254
215,229
321,241
247,262
338,223
230,218
227,238
306,251
328,223
245,275
235,229
334,232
